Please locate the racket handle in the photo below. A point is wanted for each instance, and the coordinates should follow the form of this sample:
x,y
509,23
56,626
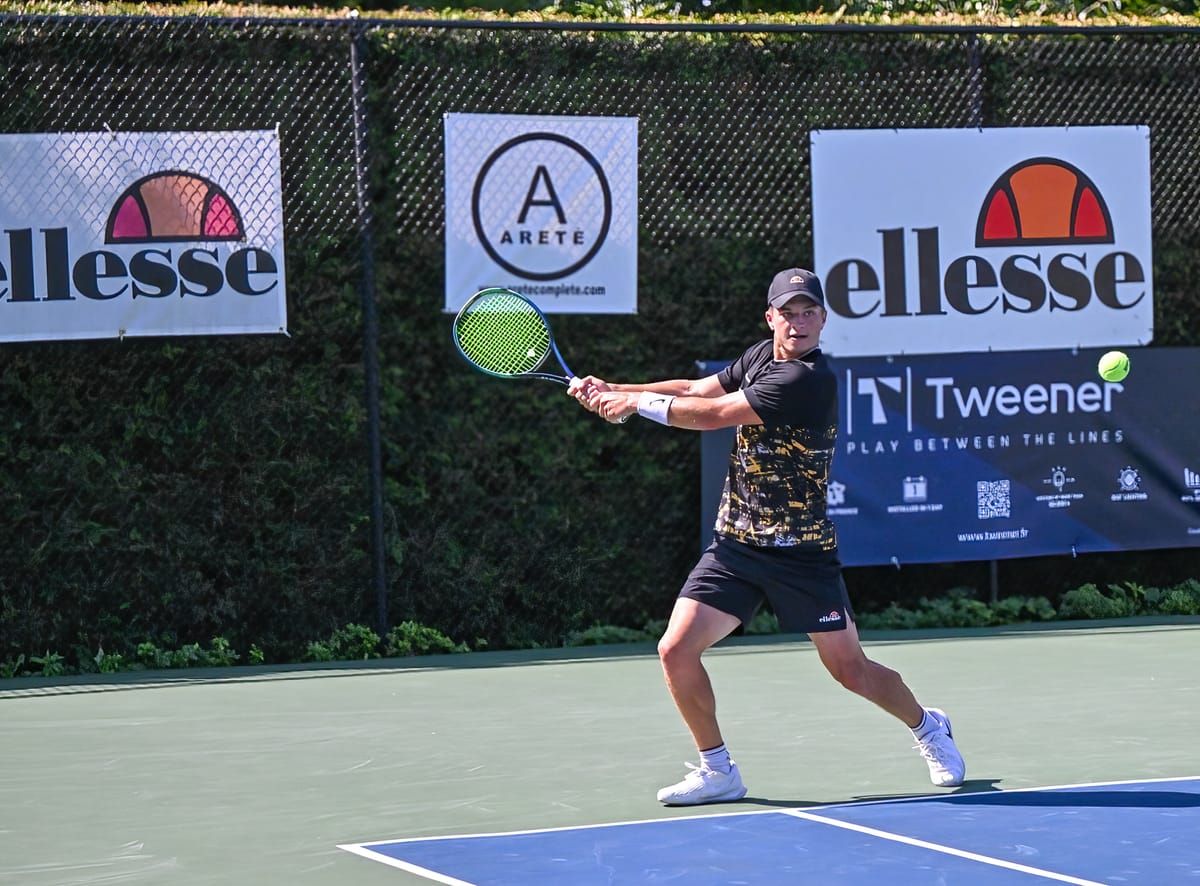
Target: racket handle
x,y
575,378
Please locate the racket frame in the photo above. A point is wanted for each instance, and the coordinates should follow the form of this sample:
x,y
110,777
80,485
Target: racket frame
x,y
532,373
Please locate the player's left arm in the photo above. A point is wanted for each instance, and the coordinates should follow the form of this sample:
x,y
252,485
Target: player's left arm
x,y
712,413
707,408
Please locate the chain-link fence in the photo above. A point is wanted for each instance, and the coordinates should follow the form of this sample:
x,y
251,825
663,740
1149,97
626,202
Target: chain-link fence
x,y
275,487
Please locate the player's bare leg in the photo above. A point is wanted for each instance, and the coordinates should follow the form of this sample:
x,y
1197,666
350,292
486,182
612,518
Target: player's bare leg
x,y
693,628
842,654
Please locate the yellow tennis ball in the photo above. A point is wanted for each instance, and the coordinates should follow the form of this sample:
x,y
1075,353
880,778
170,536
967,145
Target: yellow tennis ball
x,y
1113,366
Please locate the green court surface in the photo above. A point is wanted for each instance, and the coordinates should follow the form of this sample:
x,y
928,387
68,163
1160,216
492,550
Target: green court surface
x,y
256,776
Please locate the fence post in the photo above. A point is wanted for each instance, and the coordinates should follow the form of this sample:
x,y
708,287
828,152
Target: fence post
x,y
975,57
370,322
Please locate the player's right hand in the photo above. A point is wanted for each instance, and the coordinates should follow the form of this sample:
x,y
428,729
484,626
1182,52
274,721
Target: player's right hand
x,y
587,389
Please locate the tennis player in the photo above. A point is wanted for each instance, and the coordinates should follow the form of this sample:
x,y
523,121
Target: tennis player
x,y
772,541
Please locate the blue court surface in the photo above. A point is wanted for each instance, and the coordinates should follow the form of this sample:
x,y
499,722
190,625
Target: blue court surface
x,y
1145,832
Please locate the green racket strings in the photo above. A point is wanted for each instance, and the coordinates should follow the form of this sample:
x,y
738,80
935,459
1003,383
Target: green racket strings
x,y
503,334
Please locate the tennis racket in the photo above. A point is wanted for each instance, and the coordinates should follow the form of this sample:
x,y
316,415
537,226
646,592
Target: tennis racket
x,y
503,334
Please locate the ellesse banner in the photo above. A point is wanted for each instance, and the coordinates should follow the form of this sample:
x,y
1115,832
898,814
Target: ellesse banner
x,y
543,205
990,456
140,233
932,241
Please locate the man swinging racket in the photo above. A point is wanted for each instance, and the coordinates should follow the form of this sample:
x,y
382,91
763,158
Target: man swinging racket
x,y
772,541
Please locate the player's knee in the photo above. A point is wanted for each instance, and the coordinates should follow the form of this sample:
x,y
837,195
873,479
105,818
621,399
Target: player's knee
x,y
673,654
852,675
666,648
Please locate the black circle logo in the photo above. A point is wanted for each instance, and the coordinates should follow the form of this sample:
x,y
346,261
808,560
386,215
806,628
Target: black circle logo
x,y
516,206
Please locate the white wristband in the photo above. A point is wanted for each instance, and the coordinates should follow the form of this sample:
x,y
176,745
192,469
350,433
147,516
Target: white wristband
x,y
655,406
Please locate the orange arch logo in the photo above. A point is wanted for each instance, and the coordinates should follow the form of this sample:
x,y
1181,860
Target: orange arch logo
x,y
1042,202
173,207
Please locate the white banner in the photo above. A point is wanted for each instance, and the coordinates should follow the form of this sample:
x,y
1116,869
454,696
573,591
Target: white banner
x,y
546,206
140,233
957,240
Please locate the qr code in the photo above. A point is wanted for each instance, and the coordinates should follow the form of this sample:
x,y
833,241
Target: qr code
x,y
994,499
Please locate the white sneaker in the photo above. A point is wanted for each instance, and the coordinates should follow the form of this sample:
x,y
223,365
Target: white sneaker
x,y
946,766
704,785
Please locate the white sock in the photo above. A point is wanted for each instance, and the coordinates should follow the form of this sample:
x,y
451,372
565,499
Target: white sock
x,y
926,726
716,758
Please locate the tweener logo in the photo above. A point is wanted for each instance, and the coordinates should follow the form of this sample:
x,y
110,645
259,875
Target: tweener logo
x,y
517,209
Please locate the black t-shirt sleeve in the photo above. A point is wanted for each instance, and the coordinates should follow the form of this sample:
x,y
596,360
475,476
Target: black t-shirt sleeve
x,y
732,376
794,393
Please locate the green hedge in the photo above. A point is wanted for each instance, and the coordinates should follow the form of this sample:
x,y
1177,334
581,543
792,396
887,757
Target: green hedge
x,y
212,495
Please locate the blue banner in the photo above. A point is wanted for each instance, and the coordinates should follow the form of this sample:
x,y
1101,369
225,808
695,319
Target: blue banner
x,y
944,458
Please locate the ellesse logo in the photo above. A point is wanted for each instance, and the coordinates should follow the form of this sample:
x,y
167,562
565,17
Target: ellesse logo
x,y
1035,223
164,208
173,207
1043,202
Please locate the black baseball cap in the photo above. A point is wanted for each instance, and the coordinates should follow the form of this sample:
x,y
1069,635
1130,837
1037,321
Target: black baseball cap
x,y
793,282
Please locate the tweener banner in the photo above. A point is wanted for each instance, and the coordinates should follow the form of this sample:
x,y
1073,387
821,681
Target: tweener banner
x,y
962,240
140,233
543,205
991,456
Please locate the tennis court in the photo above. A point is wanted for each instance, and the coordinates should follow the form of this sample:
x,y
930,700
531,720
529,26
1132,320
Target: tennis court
x,y
541,767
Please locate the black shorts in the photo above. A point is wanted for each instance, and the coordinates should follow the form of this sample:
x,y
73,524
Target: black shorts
x,y
804,587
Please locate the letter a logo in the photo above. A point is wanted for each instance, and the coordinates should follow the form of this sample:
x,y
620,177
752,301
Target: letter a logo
x,y
542,175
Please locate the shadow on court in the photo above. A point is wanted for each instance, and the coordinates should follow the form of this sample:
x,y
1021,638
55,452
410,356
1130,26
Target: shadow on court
x,y
1147,799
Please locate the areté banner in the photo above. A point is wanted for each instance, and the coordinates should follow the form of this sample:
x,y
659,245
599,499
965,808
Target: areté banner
x,y
544,205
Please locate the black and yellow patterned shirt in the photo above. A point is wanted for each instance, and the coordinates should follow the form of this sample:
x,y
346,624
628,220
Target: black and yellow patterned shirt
x,y
775,490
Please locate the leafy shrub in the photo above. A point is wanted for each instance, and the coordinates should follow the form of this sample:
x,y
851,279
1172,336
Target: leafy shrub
x,y
411,638
150,655
1014,610
51,664
599,635
763,623
956,608
11,667
354,642
109,662
220,653
1089,602
959,610
1183,599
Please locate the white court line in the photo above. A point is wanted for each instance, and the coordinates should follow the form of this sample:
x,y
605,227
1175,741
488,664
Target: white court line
x,y
574,827
851,804
946,850
405,866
